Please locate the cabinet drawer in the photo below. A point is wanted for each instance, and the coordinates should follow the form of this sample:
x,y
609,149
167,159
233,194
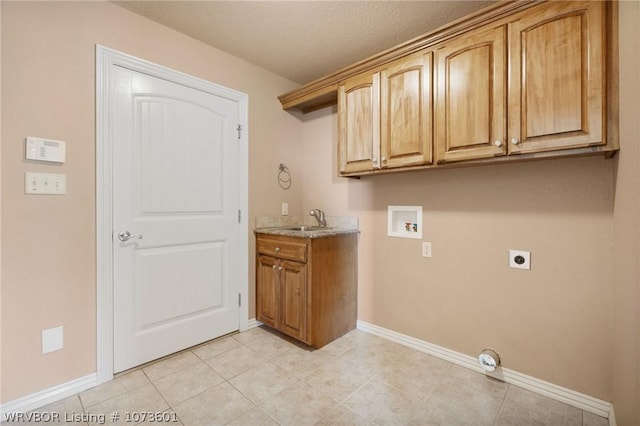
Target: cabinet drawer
x,y
284,249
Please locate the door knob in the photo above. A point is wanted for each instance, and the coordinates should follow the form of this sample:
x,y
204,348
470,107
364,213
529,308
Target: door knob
x,y
498,143
515,141
126,235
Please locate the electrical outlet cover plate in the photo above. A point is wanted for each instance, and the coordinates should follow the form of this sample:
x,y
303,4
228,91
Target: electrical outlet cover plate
x,y
520,259
426,249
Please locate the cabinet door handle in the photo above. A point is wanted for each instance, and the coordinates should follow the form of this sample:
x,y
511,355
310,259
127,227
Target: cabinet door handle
x,y
274,266
515,141
498,143
279,268
277,249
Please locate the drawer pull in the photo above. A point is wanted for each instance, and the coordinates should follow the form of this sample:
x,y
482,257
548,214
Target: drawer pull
x,y
277,249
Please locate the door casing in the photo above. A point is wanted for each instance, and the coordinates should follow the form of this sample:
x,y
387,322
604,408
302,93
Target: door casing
x,y
106,59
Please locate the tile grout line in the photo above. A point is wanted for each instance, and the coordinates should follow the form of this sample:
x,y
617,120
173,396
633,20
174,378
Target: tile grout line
x,y
162,396
504,398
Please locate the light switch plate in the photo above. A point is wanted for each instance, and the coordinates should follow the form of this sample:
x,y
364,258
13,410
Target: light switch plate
x,y
285,209
45,183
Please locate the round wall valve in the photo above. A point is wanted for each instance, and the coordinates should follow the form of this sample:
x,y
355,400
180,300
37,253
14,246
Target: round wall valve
x,y
489,359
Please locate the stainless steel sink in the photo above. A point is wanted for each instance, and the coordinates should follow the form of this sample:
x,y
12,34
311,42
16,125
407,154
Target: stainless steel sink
x,y
304,228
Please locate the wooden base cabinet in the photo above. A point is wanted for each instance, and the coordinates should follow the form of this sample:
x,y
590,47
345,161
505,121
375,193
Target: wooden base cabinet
x,y
307,287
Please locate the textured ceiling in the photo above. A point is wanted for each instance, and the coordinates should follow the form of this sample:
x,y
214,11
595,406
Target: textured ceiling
x,y
303,40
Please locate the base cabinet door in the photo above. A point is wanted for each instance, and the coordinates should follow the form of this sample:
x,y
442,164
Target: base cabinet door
x,y
281,295
556,82
293,289
267,291
306,288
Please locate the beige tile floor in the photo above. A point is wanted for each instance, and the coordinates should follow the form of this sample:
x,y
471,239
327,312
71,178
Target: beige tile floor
x,y
261,378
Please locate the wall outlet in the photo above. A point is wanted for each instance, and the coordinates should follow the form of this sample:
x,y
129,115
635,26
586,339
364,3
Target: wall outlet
x,y
285,209
52,339
520,259
426,249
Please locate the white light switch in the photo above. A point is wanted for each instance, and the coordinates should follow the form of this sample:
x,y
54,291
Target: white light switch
x,y
52,339
285,209
45,183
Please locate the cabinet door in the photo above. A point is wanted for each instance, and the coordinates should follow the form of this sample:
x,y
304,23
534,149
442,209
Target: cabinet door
x,y
470,98
359,123
556,88
267,294
405,113
293,287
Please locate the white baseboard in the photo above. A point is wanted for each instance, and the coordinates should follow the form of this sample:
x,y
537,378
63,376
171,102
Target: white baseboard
x,y
558,393
48,396
612,418
253,323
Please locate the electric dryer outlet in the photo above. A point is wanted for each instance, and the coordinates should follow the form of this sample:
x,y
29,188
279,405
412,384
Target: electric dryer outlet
x,y
520,259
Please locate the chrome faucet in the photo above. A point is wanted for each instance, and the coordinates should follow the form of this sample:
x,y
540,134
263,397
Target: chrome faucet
x,y
319,215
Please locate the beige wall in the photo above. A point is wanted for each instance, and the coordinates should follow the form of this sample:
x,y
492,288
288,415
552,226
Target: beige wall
x,y
554,322
48,243
626,342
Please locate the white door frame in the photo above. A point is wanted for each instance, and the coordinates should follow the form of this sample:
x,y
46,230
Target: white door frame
x,y
106,60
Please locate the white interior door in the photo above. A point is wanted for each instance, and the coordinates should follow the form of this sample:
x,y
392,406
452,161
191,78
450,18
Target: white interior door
x,y
175,190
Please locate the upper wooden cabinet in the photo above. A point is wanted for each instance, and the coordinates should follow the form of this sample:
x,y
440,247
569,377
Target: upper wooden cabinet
x,y
556,79
470,106
555,98
406,136
519,80
385,116
359,123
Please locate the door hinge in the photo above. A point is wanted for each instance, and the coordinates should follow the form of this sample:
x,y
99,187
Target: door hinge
x,y
239,129
239,299
239,216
